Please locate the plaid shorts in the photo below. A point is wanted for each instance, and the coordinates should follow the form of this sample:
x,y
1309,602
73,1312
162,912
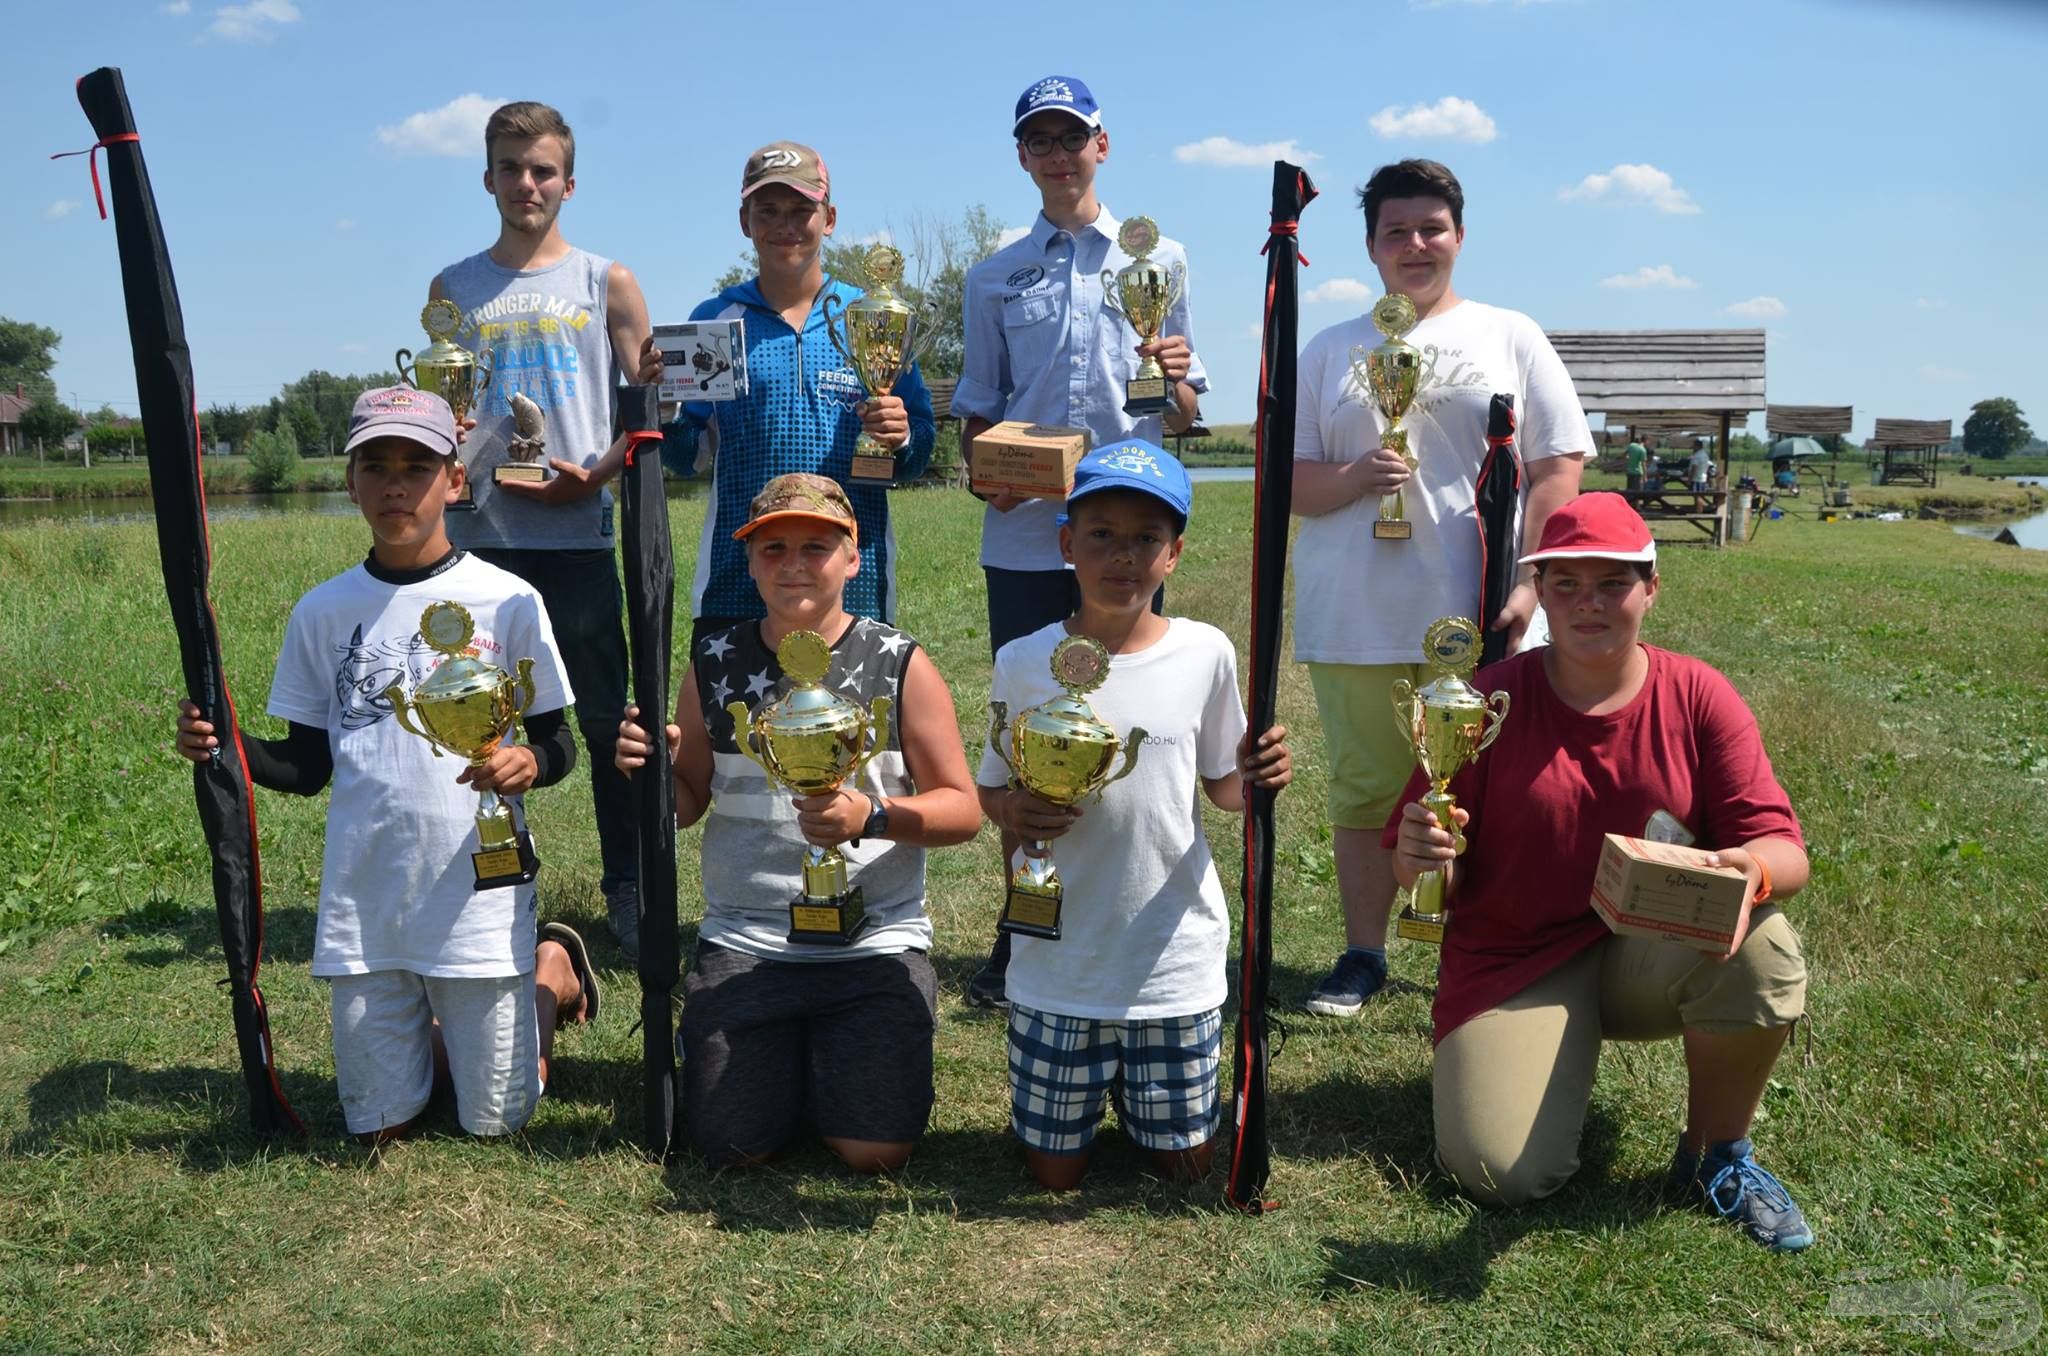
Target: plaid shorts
x,y
1163,1073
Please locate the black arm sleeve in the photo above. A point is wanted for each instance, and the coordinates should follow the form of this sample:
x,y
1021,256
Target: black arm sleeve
x,y
554,748
301,763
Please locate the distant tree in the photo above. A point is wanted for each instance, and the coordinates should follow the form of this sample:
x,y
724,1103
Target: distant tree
x,y
330,398
274,460
27,353
1746,447
48,420
230,424
1995,429
105,438
305,426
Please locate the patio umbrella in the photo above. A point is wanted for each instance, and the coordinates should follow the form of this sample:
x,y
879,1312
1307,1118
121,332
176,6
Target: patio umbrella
x,y
170,423
1273,498
1789,448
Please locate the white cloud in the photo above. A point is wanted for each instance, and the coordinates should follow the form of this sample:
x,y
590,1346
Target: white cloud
x,y
1936,372
1929,303
455,128
1011,235
1341,289
178,7
345,224
1450,118
1229,154
257,21
1663,275
1761,308
62,208
1634,184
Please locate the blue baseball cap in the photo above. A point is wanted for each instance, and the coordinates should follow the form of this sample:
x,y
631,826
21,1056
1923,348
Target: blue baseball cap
x,y
1061,93
1134,464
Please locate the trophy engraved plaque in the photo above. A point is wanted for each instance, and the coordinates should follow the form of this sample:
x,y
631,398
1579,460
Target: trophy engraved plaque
x,y
1143,293
1447,722
883,336
809,741
1391,373
1062,753
466,706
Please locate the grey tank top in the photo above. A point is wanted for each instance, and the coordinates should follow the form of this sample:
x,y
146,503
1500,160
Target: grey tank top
x,y
546,333
752,852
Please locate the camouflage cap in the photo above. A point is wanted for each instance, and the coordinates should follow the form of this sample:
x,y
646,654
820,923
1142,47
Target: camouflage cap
x,y
801,495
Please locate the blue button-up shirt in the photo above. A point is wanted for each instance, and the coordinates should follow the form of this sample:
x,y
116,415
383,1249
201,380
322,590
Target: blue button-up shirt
x,y
1042,346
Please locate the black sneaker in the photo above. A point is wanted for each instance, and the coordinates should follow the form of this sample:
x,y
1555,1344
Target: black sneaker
x,y
622,911
986,989
1356,977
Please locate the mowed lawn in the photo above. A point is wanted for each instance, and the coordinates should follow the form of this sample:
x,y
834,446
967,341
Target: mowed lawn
x,y
1897,669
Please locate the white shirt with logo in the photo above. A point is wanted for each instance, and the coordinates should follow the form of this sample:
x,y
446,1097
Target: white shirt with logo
x,y
1362,600
1144,929
397,887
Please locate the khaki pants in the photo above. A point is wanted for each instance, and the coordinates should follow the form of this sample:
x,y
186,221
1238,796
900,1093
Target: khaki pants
x,y
1513,1083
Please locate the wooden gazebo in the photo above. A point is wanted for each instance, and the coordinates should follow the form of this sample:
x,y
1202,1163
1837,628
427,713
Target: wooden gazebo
x,y
1808,421
1911,448
1672,385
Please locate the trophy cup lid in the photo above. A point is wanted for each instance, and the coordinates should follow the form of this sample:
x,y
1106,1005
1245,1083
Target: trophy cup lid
x,y
1450,649
1138,237
441,319
883,266
1080,664
1393,315
447,627
804,657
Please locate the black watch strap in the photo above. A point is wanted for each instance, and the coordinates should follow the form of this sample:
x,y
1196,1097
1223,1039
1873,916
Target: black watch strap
x,y
877,825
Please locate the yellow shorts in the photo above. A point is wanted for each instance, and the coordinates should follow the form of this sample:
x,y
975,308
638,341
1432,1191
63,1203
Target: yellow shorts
x,y
1370,758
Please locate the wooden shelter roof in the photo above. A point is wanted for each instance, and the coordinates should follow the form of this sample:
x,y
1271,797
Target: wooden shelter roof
x,y
941,389
1692,372
1809,421
1905,434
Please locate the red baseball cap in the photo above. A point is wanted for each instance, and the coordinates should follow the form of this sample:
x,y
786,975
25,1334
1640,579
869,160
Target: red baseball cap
x,y
1600,525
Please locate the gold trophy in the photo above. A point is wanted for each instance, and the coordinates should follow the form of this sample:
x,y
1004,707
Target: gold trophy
x,y
1448,722
884,335
1143,292
1062,753
810,740
1391,372
467,706
447,369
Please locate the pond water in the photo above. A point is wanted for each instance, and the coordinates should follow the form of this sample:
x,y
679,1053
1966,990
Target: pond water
x,y
225,508
2031,532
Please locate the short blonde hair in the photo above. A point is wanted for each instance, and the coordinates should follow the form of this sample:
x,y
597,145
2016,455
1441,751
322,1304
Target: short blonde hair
x,y
527,119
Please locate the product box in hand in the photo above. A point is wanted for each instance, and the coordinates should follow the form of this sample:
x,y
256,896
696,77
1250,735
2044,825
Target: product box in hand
x,y
1034,460
702,360
1646,889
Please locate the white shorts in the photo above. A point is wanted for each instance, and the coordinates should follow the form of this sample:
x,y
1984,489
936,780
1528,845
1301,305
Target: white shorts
x,y
384,1048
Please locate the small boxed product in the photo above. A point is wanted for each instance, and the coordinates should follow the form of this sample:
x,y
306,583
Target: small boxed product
x,y
702,360
1035,460
1646,889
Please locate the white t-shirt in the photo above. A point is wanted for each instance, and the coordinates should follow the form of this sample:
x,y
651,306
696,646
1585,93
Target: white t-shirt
x,y
1358,600
397,887
1702,465
1144,931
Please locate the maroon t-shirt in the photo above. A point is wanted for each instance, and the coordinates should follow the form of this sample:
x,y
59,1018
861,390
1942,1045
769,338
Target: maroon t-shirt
x,y
1556,781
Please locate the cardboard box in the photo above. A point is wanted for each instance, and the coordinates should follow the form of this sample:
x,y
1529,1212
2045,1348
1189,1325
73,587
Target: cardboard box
x,y
1028,459
702,360
1646,889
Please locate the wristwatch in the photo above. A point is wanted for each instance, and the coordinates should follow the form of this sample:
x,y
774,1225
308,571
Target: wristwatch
x,y
877,825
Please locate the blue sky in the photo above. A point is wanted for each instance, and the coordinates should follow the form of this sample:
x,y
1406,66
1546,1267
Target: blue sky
x,y
1855,177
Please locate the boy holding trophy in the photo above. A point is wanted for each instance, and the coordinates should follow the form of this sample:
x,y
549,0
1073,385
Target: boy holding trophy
x,y
434,982
1043,345
783,1026
1127,1000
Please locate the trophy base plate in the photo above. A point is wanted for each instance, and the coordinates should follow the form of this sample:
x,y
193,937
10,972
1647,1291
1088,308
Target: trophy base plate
x,y
1392,529
513,864
1414,927
874,470
1031,912
1147,395
520,473
465,502
834,921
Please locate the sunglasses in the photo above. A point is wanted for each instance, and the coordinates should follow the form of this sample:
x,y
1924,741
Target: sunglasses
x,y
1071,142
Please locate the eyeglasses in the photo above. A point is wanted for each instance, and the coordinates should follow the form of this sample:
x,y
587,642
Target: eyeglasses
x,y
1071,142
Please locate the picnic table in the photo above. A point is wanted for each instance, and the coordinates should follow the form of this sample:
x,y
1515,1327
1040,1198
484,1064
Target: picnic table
x,y
1674,502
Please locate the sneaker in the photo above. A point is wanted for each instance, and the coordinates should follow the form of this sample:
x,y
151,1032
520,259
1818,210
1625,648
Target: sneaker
x,y
1357,976
987,989
622,910
1738,1189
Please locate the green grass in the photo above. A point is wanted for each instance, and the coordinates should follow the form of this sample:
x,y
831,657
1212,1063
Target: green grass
x,y
1897,673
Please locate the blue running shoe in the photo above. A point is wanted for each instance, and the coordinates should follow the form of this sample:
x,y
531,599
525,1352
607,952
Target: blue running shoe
x,y
1357,976
1739,1190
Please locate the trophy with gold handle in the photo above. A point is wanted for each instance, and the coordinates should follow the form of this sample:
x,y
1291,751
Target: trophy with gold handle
x,y
1144,292
810,740
447,369
1391,372
884,336
467,706
1447,722
1062,753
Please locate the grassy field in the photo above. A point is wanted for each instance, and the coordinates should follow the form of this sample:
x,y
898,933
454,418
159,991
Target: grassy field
x,y
1896,670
